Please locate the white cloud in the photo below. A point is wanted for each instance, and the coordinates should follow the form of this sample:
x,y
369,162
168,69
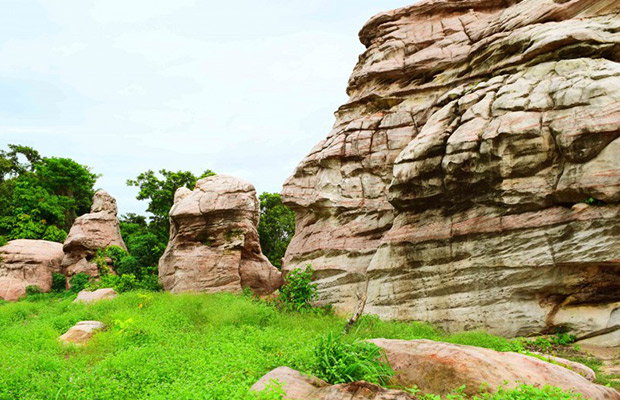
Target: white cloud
x,y
240,87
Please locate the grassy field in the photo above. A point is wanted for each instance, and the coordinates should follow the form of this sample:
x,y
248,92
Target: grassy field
x,y
163,346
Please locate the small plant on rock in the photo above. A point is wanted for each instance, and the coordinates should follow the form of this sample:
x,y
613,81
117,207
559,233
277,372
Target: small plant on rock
x,y
339,361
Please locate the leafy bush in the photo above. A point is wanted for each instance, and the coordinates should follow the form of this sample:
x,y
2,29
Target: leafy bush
x,y
79,282
298,291
59,282
32,290
338,361
54,234
3,240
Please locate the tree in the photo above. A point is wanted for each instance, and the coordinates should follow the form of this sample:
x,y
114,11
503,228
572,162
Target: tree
x,y
276,227
160,194
40,198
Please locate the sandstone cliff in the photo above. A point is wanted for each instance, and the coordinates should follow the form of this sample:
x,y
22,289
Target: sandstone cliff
x,y
452,188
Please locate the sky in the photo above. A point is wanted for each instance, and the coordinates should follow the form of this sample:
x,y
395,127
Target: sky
x,y
241,87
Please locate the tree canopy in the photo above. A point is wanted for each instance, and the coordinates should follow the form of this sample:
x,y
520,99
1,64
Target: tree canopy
x,y
276,227
41,197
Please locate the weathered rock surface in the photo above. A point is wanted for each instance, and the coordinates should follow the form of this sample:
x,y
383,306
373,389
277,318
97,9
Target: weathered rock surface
x,y
25,263
90,232
440,368
214,243
86,296
301,387
82,332
450,188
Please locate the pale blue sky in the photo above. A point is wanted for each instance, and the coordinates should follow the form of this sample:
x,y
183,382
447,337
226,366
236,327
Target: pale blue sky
x,y
242,87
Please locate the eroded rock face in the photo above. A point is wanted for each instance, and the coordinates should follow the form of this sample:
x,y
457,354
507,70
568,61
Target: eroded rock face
x,y
449,188
25,263
90,232
214,243
440,368
298,386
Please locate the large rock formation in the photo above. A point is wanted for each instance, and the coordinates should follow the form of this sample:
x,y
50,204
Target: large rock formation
x,y
26,263
91,232
214,244
441,368
451,188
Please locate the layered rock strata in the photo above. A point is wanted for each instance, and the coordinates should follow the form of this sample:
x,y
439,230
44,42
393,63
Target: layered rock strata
x,y
214,244
91,232
452,187
26,263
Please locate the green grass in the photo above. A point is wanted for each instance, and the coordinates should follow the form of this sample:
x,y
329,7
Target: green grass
x,y
163,346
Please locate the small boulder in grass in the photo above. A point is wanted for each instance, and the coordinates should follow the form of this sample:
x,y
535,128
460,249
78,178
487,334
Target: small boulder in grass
x,y
100,294
81,332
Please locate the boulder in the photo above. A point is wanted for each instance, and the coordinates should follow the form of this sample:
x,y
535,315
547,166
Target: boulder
x,y
81,332
86,296
298,387
440,368
452,187
91,232
25,263
214,244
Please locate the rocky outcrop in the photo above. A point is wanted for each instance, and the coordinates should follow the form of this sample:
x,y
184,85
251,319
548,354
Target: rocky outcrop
x,y
452,186
297,386
82,332
441,368
214,243
91,232
86,296
26,263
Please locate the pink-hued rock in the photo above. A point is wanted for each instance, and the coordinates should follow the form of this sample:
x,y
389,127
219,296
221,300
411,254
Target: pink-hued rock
x,y
447,188
90,232
302,387
214,244
82,332
440,368
25,263
100,294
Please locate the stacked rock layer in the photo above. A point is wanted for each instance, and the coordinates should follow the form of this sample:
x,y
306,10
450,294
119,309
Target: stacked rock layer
x,y
214,244
473,178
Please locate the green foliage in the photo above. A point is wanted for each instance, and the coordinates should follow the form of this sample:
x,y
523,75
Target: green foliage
x,y
3,240
273,391
59,282
522,392
211,346
298,291
32,290
78,282
340,361
159,191
41,197
276,227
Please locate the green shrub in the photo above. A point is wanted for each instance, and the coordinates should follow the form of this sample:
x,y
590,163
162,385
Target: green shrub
x,y
3,240
273,391
128,265
54,234
59,282
32,290
79,282
339,361
298,291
